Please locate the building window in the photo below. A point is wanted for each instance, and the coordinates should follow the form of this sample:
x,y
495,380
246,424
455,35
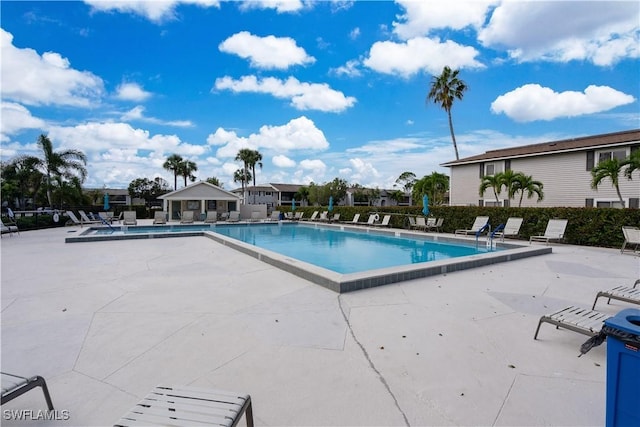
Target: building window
x,y
608,204
619,154
492,202
267,193
492,168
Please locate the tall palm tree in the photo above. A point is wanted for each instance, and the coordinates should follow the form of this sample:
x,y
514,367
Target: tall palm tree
x,y
64,164
608,169
435,186
495,182
245,155
186,169
444,89
240,176
172,164
526,183
23,170
255,159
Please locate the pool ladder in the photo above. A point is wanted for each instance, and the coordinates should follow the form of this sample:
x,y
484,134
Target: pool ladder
x,y
487,227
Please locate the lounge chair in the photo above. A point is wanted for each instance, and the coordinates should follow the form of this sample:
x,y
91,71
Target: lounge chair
x,y
86,220
335,218
9,228
421,223
478,224
178,406
511,228
324,216
159,217
212,217
186,217
631,237
436,224
555,231
298,216
106,217
620,293
15,385
129,218
372,219
313,216
384,222
354,220
234,216
412,223
275,216
581,320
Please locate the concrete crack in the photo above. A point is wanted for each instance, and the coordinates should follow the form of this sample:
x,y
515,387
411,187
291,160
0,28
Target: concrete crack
x,y
373,367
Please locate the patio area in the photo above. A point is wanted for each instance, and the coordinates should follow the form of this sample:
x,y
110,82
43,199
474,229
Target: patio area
x,y
105,322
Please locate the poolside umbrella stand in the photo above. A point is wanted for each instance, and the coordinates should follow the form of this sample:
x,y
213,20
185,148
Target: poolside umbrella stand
x,y
425,205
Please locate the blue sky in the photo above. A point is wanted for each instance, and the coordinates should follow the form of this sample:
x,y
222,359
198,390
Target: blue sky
x,y
322,89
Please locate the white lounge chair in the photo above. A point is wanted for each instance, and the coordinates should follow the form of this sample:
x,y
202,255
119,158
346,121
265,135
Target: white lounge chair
x,y
189,406
436,224
355,219
86,220
313,216
421,223
480,222
9,228
384,222
511,228
186,217
212,217
555,231
298,216
631,237
324,216
160,217
581,320
234,216
129,218
620,293
275,216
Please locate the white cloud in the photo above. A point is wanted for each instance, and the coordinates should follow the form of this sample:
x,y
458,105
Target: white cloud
x,y
421,17
156,11
362,171
266,52
355,33
315,167
282,161
132,92
299,134
280,6
303,96
32,79
420,54
14,118
350,69
137,114
533,102
601,32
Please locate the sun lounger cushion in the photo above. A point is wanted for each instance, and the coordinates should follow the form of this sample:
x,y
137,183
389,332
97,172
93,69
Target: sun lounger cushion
x,y
577,319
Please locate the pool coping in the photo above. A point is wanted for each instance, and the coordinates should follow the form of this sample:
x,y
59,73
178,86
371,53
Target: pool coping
x,y
349,282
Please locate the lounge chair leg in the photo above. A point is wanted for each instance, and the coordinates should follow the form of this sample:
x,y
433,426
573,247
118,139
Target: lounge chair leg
x,y
593,307
45,390
535,337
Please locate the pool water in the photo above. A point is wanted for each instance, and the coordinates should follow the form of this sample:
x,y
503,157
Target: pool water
x,y
344,251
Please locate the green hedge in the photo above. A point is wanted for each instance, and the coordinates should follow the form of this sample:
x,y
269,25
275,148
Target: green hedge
x,y
600,227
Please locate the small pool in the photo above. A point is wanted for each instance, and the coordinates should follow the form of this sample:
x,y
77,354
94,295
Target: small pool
x,y
340,257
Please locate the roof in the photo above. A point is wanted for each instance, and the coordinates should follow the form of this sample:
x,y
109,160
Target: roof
x,y
200,190
287,188
574,144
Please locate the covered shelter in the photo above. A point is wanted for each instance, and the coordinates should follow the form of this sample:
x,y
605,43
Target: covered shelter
x,y
200,197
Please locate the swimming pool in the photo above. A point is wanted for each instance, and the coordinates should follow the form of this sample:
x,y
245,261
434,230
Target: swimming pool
x,y
416,255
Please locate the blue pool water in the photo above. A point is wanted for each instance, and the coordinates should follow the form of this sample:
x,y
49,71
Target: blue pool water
x,y
345,251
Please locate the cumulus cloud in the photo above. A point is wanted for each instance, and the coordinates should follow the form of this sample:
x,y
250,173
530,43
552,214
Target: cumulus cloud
x,y
155,11
299,134
132,92
14,118
533,102
266,52
421,17
282,161
303,96
420,54
349,69
362,170
47,79
316,167
600,32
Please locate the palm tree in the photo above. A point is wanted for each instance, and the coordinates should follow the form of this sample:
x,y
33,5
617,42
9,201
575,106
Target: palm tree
x,y
407,179
510,181
435,186
255,159
495,182
526,183
632,163
22,174
186,169
172,164
64,164
608,169
245,155
215,181
302,194
445,88
240,176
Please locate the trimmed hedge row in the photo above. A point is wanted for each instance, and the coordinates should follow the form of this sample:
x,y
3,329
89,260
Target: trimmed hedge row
x,y
600,227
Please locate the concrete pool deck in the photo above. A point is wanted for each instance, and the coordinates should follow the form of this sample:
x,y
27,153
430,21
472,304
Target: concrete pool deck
x,y
105,322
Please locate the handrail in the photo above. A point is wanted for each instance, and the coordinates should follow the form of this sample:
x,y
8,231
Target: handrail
x,y
105,222
498,228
